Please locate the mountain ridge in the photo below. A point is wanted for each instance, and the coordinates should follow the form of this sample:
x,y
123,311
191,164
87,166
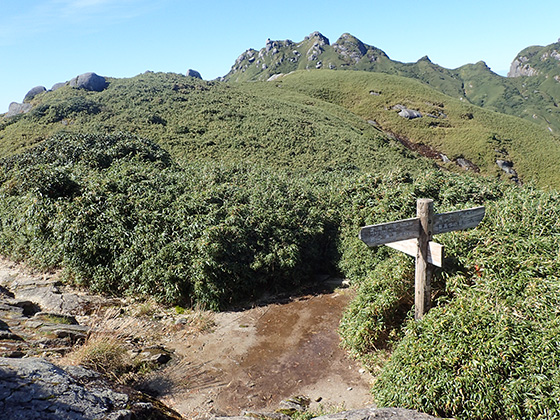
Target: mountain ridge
x,y
531,92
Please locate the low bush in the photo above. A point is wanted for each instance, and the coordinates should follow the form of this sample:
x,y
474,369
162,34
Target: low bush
x,y
120,217
487,349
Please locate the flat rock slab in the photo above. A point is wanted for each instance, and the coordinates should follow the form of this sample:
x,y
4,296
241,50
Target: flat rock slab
x,y
378,414
33,388
362,414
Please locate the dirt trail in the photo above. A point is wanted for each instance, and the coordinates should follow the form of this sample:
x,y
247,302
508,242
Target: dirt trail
x,y
254,359
248,360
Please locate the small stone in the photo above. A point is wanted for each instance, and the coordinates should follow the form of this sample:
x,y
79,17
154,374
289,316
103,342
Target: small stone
x,y
161,358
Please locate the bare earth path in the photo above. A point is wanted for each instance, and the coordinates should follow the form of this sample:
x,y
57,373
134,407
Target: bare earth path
x,y
252,360
246,361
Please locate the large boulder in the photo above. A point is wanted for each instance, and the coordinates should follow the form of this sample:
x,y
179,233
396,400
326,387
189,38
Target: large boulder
x,y
57,86
193,73
410,114
33,389
16,108
34,92
89,81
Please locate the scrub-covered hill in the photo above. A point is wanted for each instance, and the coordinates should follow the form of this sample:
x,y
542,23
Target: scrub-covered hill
x,y
305,121
214,193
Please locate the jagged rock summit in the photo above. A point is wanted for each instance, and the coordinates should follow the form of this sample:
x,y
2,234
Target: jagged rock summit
x,y
314,52
537,60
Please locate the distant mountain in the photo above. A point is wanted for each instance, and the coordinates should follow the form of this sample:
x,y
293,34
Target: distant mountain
x,y
348,53
532,90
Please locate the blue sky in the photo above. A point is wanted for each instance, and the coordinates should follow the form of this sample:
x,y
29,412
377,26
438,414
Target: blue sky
x,y
43,42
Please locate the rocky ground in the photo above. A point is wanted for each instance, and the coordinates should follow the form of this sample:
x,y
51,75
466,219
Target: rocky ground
x,y
196,364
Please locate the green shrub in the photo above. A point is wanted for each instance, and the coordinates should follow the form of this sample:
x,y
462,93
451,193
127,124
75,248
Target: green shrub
x,y
120,217
489,348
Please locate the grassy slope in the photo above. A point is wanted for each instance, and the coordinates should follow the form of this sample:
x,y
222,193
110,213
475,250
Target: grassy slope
x,y
480,135
123,218
308,120
197,120
533,98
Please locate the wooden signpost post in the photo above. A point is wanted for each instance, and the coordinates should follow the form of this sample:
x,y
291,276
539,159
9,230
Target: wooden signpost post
x,y
414,237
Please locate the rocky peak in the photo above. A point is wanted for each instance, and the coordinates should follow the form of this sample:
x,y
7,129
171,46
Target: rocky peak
x,y
537,61
425,59
350,46
193,73
318,37
520,67
313,52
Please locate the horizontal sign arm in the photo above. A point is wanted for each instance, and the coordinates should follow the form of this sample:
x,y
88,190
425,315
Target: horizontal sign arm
x,y
401,230
384,233
458,220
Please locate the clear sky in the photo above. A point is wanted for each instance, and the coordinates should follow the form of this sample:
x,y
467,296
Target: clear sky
x,y
43,42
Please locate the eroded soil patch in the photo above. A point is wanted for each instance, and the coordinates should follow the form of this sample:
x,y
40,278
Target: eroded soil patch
x,y
254,359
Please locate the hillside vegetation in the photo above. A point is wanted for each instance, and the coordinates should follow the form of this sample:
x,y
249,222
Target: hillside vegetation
x,y
212,193
121,217
489,348
449,126
307,120
209,121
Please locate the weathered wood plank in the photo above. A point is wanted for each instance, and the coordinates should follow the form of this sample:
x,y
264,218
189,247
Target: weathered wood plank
x,y
422,282
458,220
384,233
410,247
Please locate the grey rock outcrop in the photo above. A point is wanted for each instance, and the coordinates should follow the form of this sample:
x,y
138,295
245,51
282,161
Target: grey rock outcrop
x,y
362,414
410,114
57,86
378,413
16,108
38,317
34,92
507,167
319,38
33,389
89,81
194,73
350,46
466,164
520,67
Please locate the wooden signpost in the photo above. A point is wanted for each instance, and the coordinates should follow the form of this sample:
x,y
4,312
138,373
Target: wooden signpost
x,y
414,237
